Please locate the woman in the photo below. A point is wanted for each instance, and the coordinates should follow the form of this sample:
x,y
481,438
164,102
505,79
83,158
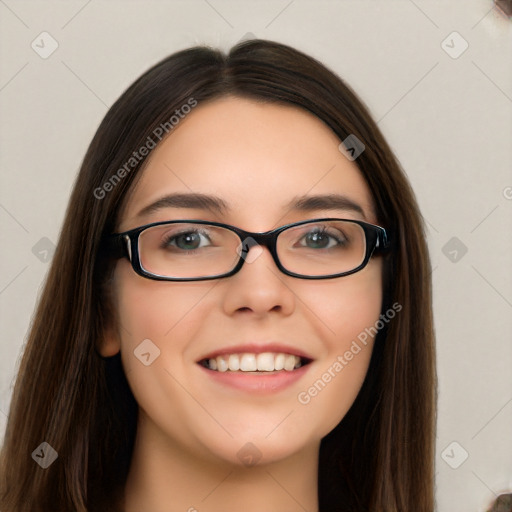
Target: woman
x,y
181,360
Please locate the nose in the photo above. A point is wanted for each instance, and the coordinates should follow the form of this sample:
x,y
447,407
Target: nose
x,y
259,286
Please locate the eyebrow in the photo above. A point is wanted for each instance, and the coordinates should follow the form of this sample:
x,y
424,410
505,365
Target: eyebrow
x,y
217,205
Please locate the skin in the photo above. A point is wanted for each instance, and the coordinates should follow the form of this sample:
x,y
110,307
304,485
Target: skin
x,y
256,157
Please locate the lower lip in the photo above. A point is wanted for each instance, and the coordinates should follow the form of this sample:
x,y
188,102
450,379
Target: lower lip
x,y
270,382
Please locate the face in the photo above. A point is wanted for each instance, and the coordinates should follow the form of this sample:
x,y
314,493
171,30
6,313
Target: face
x,y
256,158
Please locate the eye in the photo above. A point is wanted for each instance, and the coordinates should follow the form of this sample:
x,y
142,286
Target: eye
x,y
186,240
322,238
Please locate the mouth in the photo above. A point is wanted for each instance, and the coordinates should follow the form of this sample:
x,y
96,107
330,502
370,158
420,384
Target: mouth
x,y
255,363
259,369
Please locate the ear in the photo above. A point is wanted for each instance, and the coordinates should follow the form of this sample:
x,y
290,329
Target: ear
x,y
109,345
109,342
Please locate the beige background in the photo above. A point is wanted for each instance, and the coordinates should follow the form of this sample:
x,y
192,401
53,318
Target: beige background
x,y
448,120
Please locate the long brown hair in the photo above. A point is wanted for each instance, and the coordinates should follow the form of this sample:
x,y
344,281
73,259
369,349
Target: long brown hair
x,y
381,455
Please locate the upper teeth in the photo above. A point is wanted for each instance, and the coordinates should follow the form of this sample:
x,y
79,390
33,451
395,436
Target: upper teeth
x,y
266,362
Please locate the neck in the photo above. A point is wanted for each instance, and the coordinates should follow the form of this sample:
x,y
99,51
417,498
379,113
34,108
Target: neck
x,y
165,477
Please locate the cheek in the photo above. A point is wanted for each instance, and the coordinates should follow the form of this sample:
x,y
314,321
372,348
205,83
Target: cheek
x,y
344,307
156,322
349,310
155,318
149,308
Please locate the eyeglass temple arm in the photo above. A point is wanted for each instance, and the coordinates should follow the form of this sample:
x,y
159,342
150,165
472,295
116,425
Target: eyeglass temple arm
x,y
383,241
116,246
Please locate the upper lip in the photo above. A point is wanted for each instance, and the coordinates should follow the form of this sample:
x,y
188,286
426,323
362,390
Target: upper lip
x,y
257,348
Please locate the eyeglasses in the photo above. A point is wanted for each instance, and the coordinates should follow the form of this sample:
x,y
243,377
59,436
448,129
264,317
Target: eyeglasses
x,y
197,250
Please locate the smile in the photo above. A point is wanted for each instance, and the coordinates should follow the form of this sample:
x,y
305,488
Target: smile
x,y
254,363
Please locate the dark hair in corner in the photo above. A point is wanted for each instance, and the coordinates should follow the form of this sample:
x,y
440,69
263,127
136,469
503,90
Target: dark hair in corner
x,y
381,455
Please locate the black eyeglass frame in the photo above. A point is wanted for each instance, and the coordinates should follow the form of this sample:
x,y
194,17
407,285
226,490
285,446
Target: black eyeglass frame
x,y
126,245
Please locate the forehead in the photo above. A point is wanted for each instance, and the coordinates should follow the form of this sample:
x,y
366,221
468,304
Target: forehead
x,y
254,156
